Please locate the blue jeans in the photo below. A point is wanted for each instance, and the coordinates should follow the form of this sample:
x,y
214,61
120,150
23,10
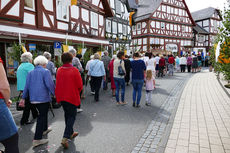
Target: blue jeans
x,y
70,111
8,127
120,83
42,120
137,90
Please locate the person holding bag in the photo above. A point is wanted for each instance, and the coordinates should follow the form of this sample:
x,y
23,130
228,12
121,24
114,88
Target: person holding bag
x,y
119,77
8,128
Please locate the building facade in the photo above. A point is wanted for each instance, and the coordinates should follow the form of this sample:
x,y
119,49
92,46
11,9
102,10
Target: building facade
x,y
207,23
162,25
118,31
40,23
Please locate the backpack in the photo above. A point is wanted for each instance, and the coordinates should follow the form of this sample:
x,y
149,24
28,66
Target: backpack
x,y
121,72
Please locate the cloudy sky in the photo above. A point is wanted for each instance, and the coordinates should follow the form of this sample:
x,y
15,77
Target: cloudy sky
x,y
195,5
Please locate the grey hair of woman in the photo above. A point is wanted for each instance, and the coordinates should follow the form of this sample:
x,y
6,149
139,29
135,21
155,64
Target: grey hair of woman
x,y
97,56
47,55
73,51
26,57
40,60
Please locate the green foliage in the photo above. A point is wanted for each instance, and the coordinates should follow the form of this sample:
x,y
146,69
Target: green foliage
x,y
87,55
16,52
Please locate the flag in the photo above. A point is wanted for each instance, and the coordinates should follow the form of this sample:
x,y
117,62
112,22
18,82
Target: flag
x,y
65,48
24,49
73,2
131,18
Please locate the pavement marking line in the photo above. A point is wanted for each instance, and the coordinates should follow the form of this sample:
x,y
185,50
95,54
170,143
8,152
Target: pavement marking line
x,y
203,117
152,140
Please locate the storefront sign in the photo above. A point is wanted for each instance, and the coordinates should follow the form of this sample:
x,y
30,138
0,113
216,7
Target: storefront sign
x,y
32,47
172,47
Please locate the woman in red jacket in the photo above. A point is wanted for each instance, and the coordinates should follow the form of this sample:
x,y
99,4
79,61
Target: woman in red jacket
x,y
68,88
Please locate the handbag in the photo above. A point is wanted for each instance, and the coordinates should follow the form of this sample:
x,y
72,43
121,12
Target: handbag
x,y
121,72
18,107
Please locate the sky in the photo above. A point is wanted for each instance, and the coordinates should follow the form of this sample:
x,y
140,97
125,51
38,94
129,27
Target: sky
x,y
195,5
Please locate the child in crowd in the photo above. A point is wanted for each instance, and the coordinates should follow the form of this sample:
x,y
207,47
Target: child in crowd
x,y
149,87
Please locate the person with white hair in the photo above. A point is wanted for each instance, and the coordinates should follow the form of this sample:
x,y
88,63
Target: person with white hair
x,y
39,86
113,86
106,59
50,66
87,71
25,67
96,72
76,62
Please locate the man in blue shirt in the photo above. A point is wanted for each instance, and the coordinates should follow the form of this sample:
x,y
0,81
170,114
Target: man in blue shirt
x,y
96,71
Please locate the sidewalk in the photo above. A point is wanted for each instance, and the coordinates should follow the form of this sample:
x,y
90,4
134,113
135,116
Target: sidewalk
x,y
202,121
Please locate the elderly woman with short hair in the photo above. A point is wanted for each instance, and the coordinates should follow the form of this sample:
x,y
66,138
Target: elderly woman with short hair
x,y
39,86
96,71
25,67
50,66
76,62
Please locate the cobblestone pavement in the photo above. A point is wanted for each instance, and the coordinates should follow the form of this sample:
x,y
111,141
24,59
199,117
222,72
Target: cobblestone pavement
x,y
202,121
155,137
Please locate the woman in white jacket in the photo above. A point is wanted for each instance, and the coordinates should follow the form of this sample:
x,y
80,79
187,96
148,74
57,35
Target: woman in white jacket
x,y
183,63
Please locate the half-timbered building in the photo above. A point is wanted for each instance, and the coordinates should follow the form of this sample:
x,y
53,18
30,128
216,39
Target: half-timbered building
x,y
207,23
162,25
43,22
118,30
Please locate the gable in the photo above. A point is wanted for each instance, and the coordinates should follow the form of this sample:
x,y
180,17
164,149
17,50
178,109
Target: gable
x,y
174,10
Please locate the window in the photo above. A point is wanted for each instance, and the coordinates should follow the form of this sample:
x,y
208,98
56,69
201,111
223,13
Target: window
x,y
108,26
163,8
94,20
118,7
62,10
112,4
29,4
162,25
158,25
124,30
139,26
120,27
205,23
114,27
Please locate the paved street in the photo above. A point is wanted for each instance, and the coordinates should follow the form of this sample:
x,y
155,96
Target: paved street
x,y
202,122
107,128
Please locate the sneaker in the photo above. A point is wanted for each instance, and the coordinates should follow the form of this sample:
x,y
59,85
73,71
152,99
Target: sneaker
x,y
138,105
40,142
123,103
74,135
79,110
92,92
147,104
64,143
47,131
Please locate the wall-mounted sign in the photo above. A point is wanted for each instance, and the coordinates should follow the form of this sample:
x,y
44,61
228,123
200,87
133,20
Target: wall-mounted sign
x,y
57,45
172,47
32,47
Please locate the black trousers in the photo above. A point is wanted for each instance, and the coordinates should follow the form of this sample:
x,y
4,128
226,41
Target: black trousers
x,y
70,112
189,68
11,144
42,120
161,71
182,67
26,111
96,83
105,85
127,76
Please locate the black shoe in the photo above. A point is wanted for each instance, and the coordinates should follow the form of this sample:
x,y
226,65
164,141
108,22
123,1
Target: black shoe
x,y
138,105
26,123
133,104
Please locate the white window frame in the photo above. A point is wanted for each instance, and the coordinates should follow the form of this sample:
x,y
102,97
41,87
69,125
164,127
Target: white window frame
x,y
114,27
108,26
162,25
63,3
139,26
94,20
31,9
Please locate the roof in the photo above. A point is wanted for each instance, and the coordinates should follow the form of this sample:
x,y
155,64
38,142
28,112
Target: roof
x,y
131,5
204,13
107,8
146,8
200,30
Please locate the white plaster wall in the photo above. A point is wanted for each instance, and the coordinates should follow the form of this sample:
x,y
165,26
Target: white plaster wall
x,y
52,18
45,21
14,10
29,19
95,2
48,4
101,20
3,3
62,26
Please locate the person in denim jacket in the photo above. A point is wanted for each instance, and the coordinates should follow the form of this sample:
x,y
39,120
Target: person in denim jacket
x,y
39,87
8,128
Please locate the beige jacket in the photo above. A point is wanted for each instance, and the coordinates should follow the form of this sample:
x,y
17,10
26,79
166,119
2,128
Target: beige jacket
x,y
115,68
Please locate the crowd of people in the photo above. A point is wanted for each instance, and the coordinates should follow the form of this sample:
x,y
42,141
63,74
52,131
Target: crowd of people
x,y
40,83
